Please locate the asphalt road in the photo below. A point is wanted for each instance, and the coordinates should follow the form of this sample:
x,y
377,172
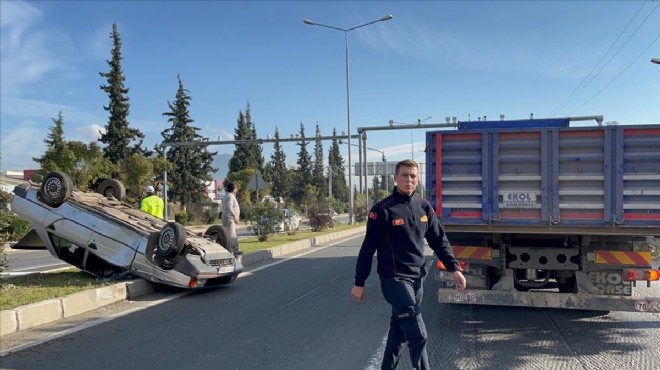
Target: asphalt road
x,y
297,314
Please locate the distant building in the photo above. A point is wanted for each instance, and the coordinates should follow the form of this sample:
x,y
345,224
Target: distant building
x,y
215,190
9,180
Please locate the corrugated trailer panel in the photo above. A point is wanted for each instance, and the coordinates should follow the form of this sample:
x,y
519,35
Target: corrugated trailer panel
x,y
571,176
640,180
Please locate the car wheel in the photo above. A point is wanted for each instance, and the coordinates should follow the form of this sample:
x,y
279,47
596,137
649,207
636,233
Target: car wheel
x,y
171,240
112,188
220,235
56,188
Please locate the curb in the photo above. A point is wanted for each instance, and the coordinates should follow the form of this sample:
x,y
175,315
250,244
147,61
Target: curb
x,y
41,313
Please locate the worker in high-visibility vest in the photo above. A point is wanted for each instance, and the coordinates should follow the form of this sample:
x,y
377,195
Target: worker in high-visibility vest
x,y
153,204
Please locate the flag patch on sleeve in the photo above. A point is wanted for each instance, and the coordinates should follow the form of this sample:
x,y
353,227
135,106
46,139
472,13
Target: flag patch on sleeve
x,y
373,215
397,222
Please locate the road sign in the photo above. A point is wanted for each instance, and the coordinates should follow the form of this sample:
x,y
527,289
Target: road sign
x,y
256,182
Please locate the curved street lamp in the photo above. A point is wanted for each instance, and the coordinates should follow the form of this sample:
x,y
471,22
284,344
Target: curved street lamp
x,y
348,101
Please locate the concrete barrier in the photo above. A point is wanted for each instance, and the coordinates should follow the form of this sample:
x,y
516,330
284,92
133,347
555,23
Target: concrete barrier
x,y
36,314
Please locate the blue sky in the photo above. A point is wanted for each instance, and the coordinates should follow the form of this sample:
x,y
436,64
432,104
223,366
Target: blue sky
x,y
435,58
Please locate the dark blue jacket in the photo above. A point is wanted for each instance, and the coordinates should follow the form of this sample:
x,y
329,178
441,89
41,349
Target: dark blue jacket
x,y
396,229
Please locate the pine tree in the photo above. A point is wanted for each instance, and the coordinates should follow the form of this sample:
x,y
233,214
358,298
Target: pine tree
x,y
318,177
281,185
304,159
121,140
248,155
84,163
304,171
192,165
336,164
58,156
254,149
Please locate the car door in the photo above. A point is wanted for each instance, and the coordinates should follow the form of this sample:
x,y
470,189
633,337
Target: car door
x,y
115,242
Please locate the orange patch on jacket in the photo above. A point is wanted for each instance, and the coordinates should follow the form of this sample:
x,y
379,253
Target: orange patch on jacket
x,y
397,222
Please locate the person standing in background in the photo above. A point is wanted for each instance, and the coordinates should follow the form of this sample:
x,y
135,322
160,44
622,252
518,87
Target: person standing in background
x,y
153,204
231,215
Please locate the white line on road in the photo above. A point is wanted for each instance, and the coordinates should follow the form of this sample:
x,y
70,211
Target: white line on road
x,y
88,324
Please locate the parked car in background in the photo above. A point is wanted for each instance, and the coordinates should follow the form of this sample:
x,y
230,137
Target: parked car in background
x,y
105,237
290,221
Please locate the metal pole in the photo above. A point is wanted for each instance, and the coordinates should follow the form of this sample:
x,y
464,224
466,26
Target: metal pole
x,y
351,211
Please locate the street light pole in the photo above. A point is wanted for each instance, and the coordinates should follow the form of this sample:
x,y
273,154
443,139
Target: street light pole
x,y
351,211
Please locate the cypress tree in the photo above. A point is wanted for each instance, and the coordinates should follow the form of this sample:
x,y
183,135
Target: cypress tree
x,y
192,165
318,177
121,140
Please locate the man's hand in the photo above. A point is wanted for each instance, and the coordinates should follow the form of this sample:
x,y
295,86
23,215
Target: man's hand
x,y
459,280
358,293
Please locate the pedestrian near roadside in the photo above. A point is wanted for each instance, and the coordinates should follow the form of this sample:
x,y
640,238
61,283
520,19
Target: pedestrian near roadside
x,y
396,229
231,215
153,204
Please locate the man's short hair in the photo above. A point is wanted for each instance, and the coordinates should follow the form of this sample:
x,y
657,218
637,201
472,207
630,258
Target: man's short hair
x,y
230,187
406,163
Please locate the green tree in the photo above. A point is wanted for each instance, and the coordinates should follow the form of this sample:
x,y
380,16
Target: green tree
x,y
57,157
304,170
192,165
318,176
90,166
120,139
137,171
336,164
83,162
281,181
248,155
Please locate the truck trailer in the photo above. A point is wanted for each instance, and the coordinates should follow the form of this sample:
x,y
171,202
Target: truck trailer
x,y
543,214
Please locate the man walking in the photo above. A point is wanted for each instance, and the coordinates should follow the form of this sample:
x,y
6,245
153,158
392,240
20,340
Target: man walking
x,y
153,204
396,229
231,214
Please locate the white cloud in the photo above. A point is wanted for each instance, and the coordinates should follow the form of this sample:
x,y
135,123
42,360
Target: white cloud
x,y
90,133
22,142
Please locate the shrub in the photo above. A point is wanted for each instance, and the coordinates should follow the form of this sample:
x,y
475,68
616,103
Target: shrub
x,y
181,217
263,218
12,227
320,218
208,216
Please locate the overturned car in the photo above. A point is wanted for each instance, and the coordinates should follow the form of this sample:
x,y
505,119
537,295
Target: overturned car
x,y
105,237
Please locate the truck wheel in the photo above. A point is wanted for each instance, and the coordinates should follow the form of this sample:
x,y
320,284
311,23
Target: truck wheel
x,y
220,235
56,188
113,188
171,240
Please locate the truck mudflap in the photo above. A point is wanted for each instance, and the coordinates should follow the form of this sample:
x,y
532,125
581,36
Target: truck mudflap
x,y
577,301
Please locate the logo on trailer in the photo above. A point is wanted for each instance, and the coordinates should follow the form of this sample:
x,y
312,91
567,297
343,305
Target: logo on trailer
x,y
610,283
519,200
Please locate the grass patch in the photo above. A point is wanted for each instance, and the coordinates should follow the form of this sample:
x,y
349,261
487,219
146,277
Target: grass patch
x,y
251,244
21,290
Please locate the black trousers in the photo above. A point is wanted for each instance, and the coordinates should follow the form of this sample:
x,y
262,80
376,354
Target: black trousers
x,y
406,323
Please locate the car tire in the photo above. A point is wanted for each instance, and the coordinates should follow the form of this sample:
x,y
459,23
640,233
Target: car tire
x,y
171,240
113,188
56,188
220,235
